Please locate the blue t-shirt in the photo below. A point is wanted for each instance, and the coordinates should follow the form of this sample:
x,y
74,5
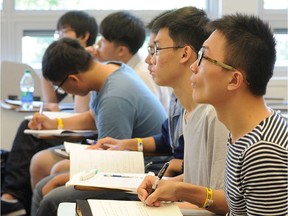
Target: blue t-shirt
x,y
125,107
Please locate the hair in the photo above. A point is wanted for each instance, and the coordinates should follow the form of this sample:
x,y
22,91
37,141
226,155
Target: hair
x,y
81,22
250,46
125,29
63,57
149,26
186,26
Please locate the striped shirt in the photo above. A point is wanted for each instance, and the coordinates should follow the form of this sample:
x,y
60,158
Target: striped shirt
x,y
257,170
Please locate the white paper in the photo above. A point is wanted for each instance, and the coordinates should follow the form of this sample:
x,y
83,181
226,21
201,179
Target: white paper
x,y
106,161
128,182
131,208
60,132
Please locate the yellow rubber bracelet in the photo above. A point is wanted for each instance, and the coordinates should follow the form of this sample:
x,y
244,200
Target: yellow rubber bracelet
x,y
139,144
60,123
208,202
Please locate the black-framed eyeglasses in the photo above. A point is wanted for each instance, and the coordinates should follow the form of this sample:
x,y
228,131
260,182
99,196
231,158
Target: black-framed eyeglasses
x,y
59,87
201,55
155,50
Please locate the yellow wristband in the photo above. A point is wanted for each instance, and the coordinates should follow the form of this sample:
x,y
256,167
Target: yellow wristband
x,y
139,144
208,201
60,123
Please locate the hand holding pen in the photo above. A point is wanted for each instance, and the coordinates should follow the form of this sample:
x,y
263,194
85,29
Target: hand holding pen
x,y
158,178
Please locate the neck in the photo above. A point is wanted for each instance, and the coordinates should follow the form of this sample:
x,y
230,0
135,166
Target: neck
x,y
184,95
241,115
100,73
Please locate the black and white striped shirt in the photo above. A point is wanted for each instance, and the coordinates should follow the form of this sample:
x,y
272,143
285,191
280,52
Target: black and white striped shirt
x,y
257,170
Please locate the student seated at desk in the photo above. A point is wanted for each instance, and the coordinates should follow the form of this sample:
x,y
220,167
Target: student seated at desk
x,y
204,135
232,71
16,188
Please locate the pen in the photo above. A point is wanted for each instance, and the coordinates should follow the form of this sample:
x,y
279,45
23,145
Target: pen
x,y
41,113
41,108
91,142
158,178
88,175
148,164
120,176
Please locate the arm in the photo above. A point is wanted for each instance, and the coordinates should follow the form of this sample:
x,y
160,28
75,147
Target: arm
x,y
175,168
81,103
168,190
124,144
55,182
49,95
82,121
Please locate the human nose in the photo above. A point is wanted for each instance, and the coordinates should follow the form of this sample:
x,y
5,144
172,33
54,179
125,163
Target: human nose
x,y
194,67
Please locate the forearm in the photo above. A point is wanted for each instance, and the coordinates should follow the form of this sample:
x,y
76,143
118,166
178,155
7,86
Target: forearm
x,y
49,95
148,144
83,121
81,103
197,195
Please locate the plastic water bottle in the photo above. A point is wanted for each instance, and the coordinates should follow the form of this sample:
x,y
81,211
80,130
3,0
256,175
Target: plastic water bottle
x,y
27,90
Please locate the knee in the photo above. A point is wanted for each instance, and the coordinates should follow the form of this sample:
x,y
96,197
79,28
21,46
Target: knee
x,y
61,166
40,162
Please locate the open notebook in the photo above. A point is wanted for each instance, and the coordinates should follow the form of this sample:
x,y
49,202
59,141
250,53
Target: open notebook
x,y
124,208
115,169
61,132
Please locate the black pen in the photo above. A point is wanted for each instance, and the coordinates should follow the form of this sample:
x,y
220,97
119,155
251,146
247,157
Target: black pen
x,y
159,177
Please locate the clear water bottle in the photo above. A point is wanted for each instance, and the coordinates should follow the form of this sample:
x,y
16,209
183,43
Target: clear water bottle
x,y
27,90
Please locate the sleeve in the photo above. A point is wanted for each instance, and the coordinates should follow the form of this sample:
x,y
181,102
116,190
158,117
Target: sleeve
x,y
162,140
265,179
115,117
217,136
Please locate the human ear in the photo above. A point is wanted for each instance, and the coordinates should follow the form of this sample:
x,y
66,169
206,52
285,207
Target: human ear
x,y
236,80
186,54
84,38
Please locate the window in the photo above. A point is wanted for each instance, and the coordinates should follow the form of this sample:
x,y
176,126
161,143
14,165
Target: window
x,y
281,37
103,5
33,21
38,39
275,4
275,13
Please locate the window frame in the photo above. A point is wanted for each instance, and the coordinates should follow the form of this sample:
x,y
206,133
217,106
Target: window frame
x,y
15,22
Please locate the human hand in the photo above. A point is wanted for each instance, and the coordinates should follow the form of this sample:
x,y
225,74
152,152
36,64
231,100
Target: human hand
x,y
109,143
175,167
165,191
42,122
92,50
55,182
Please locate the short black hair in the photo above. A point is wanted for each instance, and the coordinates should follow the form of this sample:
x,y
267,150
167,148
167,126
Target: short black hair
x,y
81,22
186,26
125,29
63,57
149,26
250,47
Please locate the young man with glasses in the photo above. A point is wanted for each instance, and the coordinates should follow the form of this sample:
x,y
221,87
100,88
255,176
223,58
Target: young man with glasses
x,y
16,188
233,69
